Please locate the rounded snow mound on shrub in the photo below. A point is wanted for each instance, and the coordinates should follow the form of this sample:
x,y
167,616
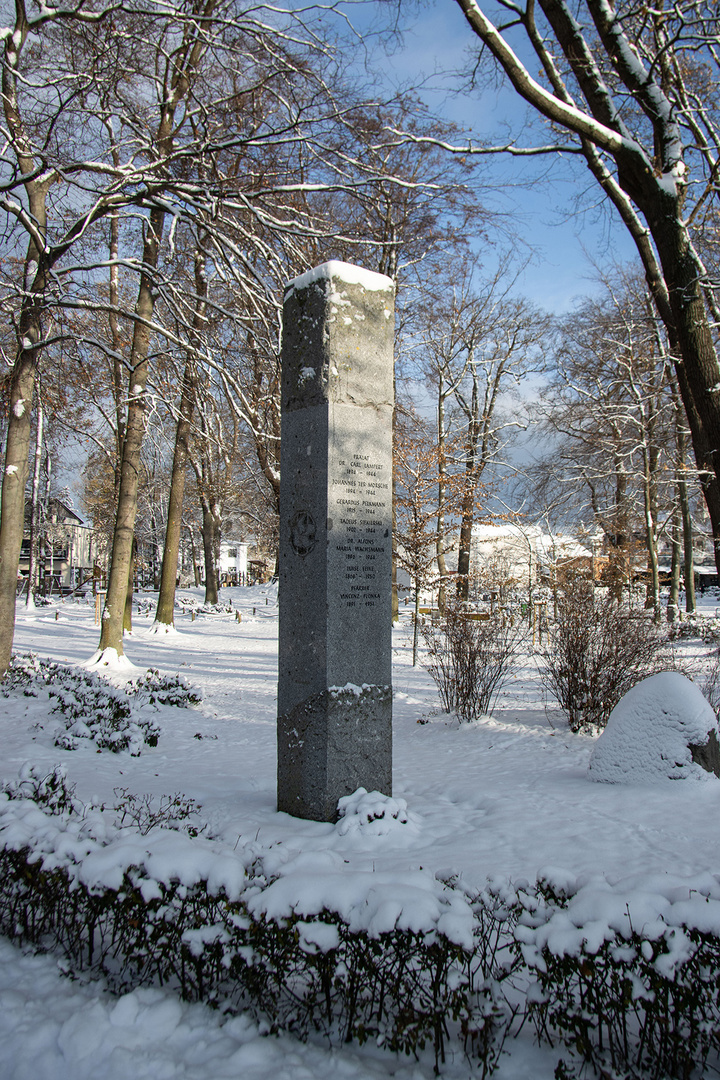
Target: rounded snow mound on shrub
x,y
661,729
373,814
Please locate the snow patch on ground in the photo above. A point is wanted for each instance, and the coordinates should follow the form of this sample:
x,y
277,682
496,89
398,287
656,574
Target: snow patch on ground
x,y
163,629
54,1029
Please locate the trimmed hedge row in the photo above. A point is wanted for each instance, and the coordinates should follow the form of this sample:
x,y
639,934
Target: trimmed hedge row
x,y
627,983
633,998
403,990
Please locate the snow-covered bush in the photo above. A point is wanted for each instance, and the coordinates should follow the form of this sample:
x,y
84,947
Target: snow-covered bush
x,y
48,789
405,965
471,660
113,718
155,689
626,978
662,729
624,975
595,652
26,673
372,813
191,603
697,625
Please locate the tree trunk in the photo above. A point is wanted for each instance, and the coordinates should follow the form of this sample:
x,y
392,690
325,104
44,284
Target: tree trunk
x,y
653,598
442,487
35,505
416,620
45,532
12,500
673,609
122,550
394,598
683,501
193,556
164,616
697,367
688,558
211,541
127,614
467,511
29,337
464,545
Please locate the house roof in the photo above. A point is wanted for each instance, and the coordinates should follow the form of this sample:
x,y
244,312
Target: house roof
x,y
532,538
65,515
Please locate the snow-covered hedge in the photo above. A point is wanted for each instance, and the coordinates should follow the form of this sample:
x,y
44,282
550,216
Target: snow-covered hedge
x,y
354,956
697,625
624,976
113,718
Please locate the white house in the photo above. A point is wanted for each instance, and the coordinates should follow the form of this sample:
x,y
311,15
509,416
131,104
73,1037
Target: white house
x,y
233,562
522,555
511,556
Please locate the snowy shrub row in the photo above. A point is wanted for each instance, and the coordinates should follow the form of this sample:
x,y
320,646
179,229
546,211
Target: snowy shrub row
x,y
624,977
93,709
704,627
407,966
191,603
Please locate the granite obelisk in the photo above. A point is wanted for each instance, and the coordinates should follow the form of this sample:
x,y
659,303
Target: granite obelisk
x,y
334,684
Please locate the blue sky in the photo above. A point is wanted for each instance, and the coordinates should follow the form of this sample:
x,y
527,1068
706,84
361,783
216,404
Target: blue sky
x,y
544,195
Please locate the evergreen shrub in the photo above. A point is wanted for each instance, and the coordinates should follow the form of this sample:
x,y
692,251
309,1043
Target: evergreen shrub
x,y
90,708
625,981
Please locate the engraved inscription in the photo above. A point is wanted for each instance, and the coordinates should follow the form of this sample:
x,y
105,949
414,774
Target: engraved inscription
x,y
362,497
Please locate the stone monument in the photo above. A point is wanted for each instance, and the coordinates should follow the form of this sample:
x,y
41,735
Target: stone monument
x,y
334,693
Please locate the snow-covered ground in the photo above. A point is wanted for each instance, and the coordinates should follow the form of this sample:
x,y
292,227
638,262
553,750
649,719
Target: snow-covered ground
x,y
506,796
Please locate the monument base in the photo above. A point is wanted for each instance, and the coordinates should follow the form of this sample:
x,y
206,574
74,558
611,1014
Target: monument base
x,y
314,767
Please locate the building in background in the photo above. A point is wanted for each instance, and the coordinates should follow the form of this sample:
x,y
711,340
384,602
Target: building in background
x,y
64,549
233,563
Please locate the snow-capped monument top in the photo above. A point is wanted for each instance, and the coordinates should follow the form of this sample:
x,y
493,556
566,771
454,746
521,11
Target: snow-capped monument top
x,y
334,270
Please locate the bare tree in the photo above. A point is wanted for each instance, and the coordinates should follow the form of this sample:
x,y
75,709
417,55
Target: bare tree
x,y
164,615
633,90
211,454
483,342
613,425
138,121
416,461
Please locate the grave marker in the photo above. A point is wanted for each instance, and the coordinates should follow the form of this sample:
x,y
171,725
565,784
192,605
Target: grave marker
x,y
334,693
